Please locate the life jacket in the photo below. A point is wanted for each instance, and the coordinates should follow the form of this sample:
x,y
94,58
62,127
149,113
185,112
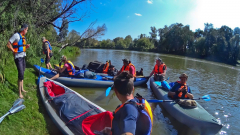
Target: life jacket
x,y
20,46
106,67
159,69
180,94
126,68
144,109
72,70
49,47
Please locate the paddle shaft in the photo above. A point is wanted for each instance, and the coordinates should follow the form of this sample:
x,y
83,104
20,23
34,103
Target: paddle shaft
x,y
1,119
160,101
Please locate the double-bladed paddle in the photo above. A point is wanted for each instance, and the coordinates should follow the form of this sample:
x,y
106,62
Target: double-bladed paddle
x,y
205,97
108,90
17,106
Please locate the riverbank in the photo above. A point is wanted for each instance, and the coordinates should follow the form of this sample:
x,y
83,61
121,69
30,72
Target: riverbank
x,y
33,119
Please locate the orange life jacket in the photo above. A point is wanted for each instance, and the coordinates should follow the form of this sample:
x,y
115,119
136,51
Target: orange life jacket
x,y
20,46
106,67
180,93
72,70
159,69
142,106
49,47
126,68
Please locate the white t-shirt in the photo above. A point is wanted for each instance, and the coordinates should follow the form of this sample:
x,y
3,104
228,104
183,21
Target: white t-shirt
x,y
16,38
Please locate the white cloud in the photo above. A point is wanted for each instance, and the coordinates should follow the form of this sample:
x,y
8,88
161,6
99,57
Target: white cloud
x,y
150,1
138,14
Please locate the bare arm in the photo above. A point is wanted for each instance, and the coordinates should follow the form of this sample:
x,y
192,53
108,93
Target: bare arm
x,y
62,69
9,45
164,73
189,95
171,94
151,73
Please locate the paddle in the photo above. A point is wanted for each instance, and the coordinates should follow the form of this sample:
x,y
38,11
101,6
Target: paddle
x,y
17,106
108,90
205,97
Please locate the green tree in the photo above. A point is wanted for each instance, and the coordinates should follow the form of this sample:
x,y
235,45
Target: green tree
x,y
144,44
128,40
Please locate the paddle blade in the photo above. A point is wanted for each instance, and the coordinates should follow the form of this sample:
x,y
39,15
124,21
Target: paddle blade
x,y
18,102
167,78
154,101
42,60
108,91
17,109
206,98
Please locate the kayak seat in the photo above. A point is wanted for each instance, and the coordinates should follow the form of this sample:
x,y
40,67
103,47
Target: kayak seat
x,y
52,90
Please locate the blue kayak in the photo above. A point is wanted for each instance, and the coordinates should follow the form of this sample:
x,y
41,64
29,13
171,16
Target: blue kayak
x,y
85,82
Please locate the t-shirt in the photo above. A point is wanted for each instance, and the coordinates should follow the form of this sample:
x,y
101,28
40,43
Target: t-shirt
x,y
67,66
16,38
131,70
126,120
176,87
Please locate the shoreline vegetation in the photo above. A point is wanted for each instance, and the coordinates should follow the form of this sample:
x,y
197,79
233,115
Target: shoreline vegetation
x,y
214,44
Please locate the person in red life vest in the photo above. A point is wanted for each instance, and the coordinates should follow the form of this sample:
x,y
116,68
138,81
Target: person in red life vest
x,y
106,66
180,89
17,44
128,66
67,70
159,70
134,116
47,50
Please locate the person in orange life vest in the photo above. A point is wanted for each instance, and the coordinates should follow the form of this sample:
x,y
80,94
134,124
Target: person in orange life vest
x,y
128,66
17,44
134,115
159,70
67,70
47,50
106,66
181,90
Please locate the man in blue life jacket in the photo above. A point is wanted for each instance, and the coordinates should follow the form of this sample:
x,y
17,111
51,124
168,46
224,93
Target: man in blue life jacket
x,y
134,115
17,44
180,89
47,50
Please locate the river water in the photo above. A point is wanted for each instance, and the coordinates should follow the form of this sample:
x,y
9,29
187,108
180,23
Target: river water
x,y
218,80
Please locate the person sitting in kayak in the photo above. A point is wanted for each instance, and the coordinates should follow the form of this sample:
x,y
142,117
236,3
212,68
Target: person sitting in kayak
x,y
112,71
128,66
159,70
67,70
106,66
180,89
134,115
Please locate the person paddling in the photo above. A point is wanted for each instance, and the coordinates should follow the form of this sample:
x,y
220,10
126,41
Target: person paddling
x,y
47,50
67,70
134,115
159,70
17,44
180,89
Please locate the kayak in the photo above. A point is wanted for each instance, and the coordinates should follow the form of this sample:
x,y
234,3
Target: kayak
x,y
70,111
196,118
86,82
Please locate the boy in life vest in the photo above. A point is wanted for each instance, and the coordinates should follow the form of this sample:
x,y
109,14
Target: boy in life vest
x,y
17,44
67,70
159,70
180,89
112,71
106,66
47,50
134,115
128,66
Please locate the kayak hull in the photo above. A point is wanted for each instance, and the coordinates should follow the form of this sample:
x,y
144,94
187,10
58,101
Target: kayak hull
x,y
196,118
84,82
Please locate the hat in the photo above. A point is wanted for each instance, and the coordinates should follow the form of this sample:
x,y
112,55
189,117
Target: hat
x,y
43,38
183,76
158,59
126,60
24,26
111,66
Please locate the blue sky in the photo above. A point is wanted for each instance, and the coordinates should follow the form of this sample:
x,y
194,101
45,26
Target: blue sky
x,y
133,17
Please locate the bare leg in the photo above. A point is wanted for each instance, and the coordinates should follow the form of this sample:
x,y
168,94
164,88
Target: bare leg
x,y
50,65
55,77
47,66
20,88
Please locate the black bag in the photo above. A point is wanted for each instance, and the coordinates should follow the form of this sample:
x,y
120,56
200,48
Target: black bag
x,y
96,66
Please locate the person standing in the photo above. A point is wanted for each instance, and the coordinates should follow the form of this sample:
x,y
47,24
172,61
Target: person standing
x,y
17,44
159,70
47,50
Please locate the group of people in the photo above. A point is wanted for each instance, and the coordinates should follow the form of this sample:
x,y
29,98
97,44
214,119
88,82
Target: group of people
x,y
134,115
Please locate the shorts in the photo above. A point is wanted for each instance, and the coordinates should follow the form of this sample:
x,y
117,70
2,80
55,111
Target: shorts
x,y
21,65
47,60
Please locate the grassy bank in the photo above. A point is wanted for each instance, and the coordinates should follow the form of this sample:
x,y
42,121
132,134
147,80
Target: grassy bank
x,y
33,119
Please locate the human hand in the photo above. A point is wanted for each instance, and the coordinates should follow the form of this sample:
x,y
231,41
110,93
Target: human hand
x,y
48,57
107,131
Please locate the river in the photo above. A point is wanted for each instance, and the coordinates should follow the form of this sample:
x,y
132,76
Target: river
x,y
218,80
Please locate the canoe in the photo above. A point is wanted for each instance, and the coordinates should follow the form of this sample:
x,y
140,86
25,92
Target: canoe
x,y
85,82
195,118
72,117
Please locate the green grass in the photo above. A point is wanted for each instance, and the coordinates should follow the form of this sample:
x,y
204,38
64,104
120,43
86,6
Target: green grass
x,y
33,119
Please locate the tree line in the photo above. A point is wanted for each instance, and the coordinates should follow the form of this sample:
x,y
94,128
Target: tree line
x,y
219,43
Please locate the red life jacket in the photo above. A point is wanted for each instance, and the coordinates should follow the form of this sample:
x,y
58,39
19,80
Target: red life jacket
x,y
159,69
126,68
20,46
106,67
